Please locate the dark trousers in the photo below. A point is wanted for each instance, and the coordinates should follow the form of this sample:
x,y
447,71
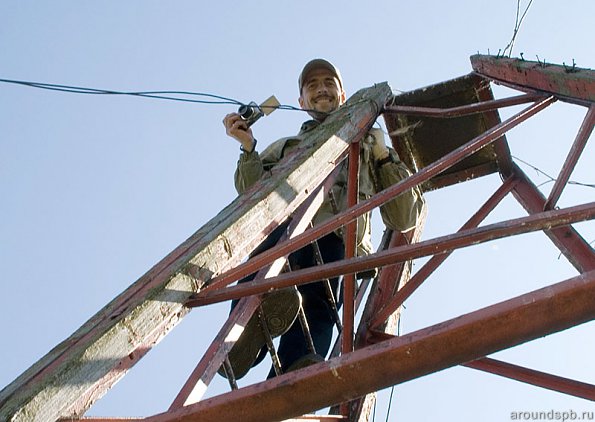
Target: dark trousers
x,y
316,305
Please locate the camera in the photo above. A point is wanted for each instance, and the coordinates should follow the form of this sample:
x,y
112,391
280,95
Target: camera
x,y
250,113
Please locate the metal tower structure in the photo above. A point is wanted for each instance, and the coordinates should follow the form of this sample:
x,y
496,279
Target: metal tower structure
x,y
463,114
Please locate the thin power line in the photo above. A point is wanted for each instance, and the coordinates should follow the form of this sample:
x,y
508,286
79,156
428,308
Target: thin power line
x,y
552,179
161,95
390,402
517,26
149,94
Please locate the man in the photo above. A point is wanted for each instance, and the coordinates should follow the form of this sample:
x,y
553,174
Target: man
x,y
321,92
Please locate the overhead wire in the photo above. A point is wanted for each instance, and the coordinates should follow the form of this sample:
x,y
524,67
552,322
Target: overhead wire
x,y
161,95
392,389
552,179
517,26
221,100
390,402
149,94
217,99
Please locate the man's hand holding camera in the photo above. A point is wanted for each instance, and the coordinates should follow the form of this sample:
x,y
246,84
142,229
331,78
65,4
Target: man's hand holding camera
x,y
236,127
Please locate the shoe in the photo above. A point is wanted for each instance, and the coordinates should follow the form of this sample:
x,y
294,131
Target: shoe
x,y
280,309
304,361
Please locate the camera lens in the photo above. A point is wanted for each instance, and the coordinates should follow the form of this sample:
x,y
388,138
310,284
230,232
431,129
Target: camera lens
x,y
246,111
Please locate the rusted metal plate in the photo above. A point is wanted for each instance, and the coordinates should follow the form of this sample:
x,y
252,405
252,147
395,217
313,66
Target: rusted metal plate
x,y
421,140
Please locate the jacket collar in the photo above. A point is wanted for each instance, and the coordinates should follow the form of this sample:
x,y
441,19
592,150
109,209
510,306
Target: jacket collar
x,y
308,126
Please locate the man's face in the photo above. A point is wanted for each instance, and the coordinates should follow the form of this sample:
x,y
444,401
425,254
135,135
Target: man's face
x,y
321,92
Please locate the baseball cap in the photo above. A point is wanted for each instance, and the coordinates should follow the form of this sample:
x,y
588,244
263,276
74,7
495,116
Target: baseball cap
x,y
318,64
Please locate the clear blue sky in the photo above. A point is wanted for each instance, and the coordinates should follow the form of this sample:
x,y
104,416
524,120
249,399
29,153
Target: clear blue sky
x,y
97,189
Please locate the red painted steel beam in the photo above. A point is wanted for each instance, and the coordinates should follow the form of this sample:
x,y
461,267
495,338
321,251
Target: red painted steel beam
x,y
385,285
541,221
304,418
403,358
387,282
464,110
350,231
429,267
362,292
578,251
537,378
569,84
575,152
380,198
204,372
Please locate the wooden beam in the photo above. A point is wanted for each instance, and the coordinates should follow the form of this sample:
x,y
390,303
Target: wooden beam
x,y
569,83
72,376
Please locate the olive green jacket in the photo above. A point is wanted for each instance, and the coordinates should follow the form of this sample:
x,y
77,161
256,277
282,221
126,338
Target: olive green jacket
x,y
401,213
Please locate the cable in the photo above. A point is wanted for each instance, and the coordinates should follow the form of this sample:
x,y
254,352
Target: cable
x,y
374,410
517,26
161,95
390,402
552,179
149,94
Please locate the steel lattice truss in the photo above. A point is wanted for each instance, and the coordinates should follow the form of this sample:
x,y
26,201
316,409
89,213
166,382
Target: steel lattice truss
x,y
368,356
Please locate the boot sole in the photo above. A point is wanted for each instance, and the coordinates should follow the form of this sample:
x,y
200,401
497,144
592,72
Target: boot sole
x,y
280,309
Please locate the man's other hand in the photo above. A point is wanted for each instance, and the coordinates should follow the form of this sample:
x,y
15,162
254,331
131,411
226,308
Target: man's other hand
x,y
379,148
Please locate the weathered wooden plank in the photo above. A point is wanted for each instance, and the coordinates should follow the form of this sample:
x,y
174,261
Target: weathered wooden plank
x,y
80,370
